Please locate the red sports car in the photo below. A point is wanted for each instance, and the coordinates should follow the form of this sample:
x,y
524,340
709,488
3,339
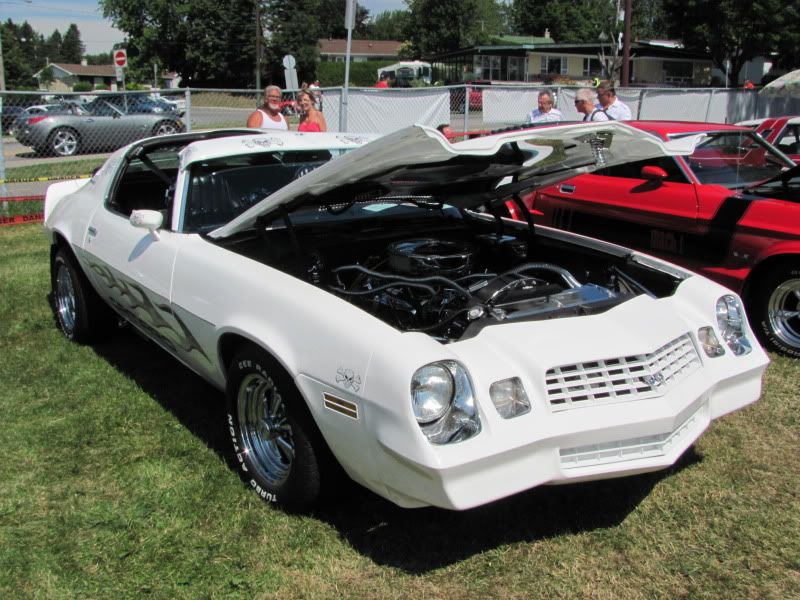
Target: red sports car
x,y
730,210
782,132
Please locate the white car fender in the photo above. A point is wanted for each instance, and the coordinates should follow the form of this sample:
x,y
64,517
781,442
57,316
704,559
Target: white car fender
x,y
57,191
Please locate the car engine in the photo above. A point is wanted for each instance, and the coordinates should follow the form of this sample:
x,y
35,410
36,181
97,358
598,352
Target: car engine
x,y
449,290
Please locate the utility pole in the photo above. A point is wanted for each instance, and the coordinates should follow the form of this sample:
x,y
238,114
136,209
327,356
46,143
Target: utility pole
x,y
2,66
626,46
258,46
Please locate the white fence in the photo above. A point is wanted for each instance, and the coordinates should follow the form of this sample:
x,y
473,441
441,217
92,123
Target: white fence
x,y
490,107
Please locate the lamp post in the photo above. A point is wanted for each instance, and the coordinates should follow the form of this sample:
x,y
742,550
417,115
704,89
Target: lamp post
x,y
626,46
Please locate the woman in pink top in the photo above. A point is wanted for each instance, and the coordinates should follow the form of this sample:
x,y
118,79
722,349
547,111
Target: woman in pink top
x,y
269,116
311,119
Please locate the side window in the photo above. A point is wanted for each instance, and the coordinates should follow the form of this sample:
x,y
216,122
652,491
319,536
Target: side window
x,y
634,170
103,109
148,182
789,142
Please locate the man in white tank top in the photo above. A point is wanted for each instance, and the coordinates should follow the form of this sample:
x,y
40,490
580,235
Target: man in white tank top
x,y
269,116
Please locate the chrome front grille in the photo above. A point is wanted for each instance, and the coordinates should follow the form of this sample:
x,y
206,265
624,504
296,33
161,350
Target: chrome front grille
x,y
621,379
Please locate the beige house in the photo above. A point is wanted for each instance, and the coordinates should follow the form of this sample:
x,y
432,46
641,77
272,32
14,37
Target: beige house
x,y
532,60
66,75
360,50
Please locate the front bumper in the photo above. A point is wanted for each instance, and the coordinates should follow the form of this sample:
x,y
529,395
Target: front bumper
x,y
599,442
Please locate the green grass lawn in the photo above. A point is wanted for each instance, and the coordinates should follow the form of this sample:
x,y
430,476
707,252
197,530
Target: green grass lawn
x,y
116,483
60,169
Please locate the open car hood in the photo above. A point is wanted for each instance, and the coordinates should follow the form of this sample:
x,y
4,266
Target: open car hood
x,y
418,161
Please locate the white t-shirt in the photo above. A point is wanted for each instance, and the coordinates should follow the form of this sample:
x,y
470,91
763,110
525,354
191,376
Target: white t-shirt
x,y
268,123
551,116
619,111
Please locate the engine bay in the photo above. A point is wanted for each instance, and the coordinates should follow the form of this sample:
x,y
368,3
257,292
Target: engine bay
x,y
450,289
449,278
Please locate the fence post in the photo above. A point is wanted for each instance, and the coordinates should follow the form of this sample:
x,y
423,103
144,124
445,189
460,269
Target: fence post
x,y
708,105
188,114
466,108
641,101
3,188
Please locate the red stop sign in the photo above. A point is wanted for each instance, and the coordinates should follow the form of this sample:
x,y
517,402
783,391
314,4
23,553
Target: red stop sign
x,y
120,58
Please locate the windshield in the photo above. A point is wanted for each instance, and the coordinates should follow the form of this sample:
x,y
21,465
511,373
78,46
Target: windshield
x,y
223,188
735,159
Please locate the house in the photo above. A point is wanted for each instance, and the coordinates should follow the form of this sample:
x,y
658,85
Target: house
x,y
530,59
66,75
360,50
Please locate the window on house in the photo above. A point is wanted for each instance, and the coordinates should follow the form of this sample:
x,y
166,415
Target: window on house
x,y
592,67
677,71
553,64
514,68
487,67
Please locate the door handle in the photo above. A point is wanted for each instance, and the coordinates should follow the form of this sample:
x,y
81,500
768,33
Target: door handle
x,y
567,188
92,232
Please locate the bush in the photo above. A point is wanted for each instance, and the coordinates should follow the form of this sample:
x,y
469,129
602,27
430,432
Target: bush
x,y
82,86
362,74
102,86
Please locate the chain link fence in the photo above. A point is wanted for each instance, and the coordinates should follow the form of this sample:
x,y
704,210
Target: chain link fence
x,y
47,137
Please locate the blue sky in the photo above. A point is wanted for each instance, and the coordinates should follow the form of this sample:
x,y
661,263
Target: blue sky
x,y
97,34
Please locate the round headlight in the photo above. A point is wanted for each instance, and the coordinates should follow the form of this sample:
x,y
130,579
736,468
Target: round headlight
x,y
731,322
431,392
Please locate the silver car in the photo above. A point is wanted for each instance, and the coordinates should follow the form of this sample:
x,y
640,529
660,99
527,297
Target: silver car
x,y
99,127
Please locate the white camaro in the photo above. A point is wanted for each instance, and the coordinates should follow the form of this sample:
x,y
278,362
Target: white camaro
x,y
381,312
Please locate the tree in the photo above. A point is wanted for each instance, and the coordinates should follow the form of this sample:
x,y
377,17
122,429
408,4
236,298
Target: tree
x,y
71,46
46,76
389,25
52,47
294,29
19,62
732,31
649,20
489,21
448,25
331,20
102,58
208,42
788,46
577,21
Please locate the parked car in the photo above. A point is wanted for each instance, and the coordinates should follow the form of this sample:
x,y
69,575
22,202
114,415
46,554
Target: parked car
x,y
9,115
134,104
475,95
176,102
97,126
729,210
781,132
40,109
377,311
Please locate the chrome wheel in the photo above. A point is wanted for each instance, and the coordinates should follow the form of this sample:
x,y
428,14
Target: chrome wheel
x,y
783,310
265,429
165,128
65,300
64,142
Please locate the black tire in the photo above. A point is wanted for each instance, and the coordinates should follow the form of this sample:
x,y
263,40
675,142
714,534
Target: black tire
x,y
63,141
277,446
80,313
166,128
775,309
